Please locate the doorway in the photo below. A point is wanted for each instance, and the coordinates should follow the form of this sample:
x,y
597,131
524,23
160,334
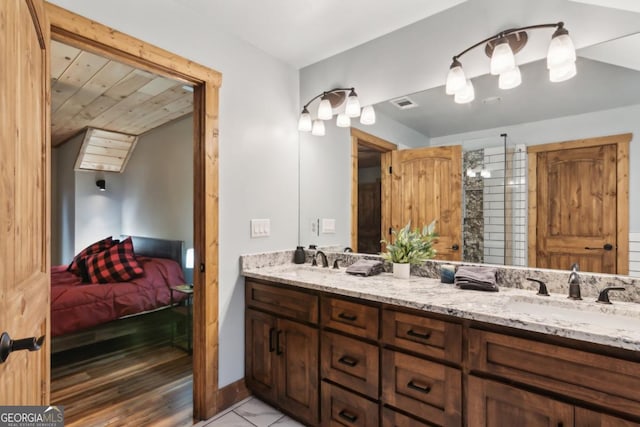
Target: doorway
x,y
77,31
367,190
579,204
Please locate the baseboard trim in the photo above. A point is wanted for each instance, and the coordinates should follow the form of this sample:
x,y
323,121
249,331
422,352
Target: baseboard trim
x,y
231,394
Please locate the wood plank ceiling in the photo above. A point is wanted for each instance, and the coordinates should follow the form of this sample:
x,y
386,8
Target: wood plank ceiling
x,y
88,90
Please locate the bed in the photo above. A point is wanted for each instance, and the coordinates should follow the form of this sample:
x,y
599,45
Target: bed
x,y
78,306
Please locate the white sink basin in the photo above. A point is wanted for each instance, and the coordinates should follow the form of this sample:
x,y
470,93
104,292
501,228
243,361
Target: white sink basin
x,y
620,316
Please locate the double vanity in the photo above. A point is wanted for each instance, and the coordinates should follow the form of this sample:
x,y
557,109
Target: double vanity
x,y
331,348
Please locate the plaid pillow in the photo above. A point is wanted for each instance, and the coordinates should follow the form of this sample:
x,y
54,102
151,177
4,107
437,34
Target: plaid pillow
x,y
116,264
93,248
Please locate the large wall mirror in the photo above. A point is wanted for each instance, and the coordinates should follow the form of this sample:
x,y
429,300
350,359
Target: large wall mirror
x,y
602,100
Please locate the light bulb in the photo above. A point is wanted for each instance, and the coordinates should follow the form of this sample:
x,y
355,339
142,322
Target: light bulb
x,y
562,73
456,79
352,109
510,79
502,58
318,128
561,49
368,116
343,121
465,95
304,123
325,111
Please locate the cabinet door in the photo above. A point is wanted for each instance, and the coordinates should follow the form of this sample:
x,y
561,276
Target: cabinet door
x,y
587,418
492,404
297,355
260,374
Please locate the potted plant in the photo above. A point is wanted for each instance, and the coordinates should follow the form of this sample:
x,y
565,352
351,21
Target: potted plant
x,y
410,247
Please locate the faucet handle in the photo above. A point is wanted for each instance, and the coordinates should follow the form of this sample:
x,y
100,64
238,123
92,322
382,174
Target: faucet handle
x,y
575,267
314,262
335,263
603,297
542,289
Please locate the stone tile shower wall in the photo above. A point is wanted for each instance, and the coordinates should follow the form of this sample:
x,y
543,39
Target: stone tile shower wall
x,y
473,214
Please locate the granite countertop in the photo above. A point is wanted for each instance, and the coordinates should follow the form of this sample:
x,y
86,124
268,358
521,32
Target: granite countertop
x,y
616,325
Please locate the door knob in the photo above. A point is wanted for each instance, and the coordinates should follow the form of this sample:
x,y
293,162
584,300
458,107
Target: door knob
x,y
455,247
7,345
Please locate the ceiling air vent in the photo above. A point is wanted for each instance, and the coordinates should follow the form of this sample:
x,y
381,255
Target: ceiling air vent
x,y
404,103
105,151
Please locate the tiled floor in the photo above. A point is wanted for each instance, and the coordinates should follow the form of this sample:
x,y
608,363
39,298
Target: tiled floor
x,y
251,412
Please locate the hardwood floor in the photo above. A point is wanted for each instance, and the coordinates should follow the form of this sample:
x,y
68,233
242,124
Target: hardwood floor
x,y
124,383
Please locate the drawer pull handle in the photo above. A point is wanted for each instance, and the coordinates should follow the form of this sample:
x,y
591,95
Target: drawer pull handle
x,y
349,361
278,351
271,347
422,335
423,388
349,317
348,416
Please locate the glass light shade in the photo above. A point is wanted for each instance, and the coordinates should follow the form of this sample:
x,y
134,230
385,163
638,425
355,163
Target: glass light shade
x,y
471,173
456,80
325,111
343,121
502,58
562,73
561,51
304,123
510,79
368,116
465,95
485,173
352,109
318,128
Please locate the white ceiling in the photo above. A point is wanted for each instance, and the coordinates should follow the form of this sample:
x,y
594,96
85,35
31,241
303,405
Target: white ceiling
x,y
302,32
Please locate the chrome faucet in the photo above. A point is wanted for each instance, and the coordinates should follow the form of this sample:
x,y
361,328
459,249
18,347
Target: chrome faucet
x,y
325,261
574,283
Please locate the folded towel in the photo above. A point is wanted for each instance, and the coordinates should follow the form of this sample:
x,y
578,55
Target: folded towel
x,y
365,267
476,278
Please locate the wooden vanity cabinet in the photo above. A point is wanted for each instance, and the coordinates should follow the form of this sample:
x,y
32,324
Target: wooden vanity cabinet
x,y
281,361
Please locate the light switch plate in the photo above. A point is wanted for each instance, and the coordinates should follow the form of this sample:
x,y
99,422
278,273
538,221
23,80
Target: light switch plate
x,y
260,228
328,225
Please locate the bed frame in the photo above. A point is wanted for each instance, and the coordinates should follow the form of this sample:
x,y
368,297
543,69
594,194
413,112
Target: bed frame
x,y
146,322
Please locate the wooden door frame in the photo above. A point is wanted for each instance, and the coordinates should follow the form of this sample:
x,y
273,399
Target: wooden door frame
x,y
359,137
622,189
94,37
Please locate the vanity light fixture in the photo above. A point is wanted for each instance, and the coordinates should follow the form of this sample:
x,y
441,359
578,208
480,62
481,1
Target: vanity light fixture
x,y
329,101
501,48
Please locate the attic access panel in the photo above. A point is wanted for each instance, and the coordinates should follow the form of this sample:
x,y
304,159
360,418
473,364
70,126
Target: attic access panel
x,y
104,150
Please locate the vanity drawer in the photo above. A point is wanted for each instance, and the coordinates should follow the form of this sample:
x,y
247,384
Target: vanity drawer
x,y
426,389
605,381
351,363
423,335
391,418
350,317
343,408
282,301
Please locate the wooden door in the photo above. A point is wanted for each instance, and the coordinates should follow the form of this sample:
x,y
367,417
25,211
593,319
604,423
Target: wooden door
x,y
260,369
577,208
298,387
426,184
24,198
492,404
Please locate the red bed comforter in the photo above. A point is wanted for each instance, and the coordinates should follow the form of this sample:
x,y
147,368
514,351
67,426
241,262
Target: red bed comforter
x,y
76,305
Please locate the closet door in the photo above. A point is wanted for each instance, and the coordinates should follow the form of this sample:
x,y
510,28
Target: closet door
x,y
24,200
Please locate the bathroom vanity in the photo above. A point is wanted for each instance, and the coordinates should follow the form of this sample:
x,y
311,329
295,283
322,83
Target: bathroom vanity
x,y
335,349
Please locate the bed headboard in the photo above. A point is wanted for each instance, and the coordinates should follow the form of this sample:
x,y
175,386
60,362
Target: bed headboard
x,y
158,248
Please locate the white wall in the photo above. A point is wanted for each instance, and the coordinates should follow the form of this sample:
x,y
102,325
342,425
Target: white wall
x,y
259,104
157,192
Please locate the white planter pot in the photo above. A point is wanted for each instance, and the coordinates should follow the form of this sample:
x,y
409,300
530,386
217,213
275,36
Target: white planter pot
x,y
401,271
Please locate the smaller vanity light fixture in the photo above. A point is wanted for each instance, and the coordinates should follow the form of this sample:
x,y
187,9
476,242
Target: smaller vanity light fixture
x,y
329,101
501,49
101,184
